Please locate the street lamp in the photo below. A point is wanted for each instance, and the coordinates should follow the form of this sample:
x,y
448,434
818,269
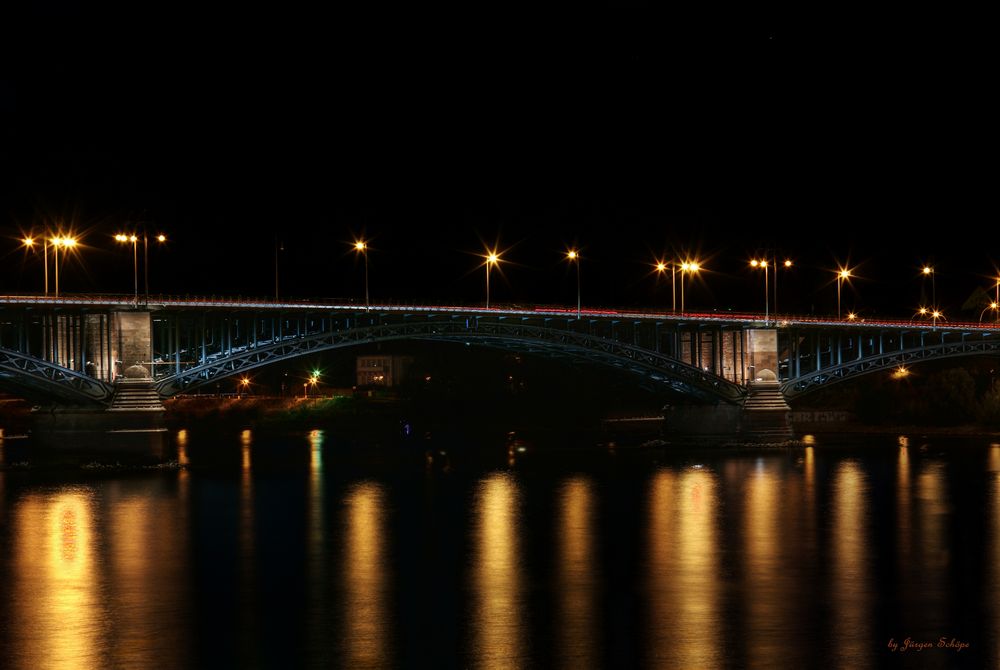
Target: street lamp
x,y
134,240
573,256
787,264
661,267
362,248
67,243
763,264
492,258
121,237
993,305
935,315
928,270
29,242
841,276
161,238
244,384
686,267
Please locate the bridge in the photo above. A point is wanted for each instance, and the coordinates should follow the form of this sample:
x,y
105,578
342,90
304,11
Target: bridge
x,y
83,350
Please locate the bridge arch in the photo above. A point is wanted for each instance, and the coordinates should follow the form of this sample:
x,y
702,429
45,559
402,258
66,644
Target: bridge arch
x,y
652,366
36,377
829,376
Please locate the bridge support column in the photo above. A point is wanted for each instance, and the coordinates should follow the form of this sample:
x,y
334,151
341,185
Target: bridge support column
x,y
763,346
133,343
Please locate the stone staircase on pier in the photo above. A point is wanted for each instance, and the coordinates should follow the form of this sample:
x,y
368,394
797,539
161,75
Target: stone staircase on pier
x,y
136,395
765,413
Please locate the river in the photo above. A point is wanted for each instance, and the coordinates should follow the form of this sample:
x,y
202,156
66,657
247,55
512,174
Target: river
x,y
301,550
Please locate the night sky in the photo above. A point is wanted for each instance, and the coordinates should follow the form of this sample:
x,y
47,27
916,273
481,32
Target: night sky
x,y
626,133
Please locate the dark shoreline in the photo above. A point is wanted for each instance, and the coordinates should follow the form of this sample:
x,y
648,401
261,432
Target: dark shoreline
x,y
385,418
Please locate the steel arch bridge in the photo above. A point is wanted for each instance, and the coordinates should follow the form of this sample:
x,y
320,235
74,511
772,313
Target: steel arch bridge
x,y
655,367
74,349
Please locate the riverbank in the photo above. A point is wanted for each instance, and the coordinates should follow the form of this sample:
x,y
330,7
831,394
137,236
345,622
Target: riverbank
x,y
389,417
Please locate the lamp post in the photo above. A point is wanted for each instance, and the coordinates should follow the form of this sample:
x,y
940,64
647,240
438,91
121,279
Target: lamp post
x,y
841,276
661,267
29,243
67,243
134,240
993,305
492,258
573,256
928,270
787,264
673,286
362,248
687,267
161,238
121,237
763,264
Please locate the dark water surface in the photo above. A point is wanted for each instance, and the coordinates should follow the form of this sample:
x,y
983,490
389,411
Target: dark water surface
x,y
299,551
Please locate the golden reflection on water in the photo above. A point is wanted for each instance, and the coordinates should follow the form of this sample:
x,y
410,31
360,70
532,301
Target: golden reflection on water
x,y
316,546
994,457
850,586
367,638
903,510
769,587
247,568
316,491
246,439
499,617
61,620
932,513
147,547
684,577
182,446
578,623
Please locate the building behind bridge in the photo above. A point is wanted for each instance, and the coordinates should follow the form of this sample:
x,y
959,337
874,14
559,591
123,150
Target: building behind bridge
x,y
382,370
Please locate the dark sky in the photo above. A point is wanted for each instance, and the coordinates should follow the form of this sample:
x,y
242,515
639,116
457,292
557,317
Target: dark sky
x,y
629,133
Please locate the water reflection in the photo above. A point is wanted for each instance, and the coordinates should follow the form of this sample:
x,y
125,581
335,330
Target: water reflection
x,y
182,447
316,546
684,574
316,492
60,618
499,615
367,638
147,547
246,545
578,624
769,587
903,509
849,586
932,511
